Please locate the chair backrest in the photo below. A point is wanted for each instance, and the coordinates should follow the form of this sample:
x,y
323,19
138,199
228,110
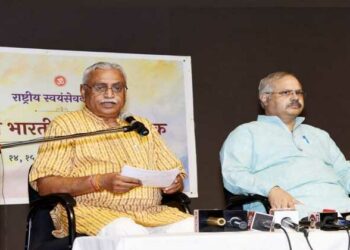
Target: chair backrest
x,y
40,226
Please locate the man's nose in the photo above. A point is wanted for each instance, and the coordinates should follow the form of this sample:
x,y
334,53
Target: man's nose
x,y
109,92
294,95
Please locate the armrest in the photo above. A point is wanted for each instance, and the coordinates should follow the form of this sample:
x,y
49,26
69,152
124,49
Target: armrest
x,y
65,200
179,198
49,201
239,200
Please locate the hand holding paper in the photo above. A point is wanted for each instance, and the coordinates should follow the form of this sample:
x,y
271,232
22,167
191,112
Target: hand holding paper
x,y
151,178
117,183
176,186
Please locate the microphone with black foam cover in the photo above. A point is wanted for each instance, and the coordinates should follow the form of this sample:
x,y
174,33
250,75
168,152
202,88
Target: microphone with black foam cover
x,y
135,125
330,223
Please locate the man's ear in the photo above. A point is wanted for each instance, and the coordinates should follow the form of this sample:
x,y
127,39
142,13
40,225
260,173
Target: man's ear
x,y
264,99
82,92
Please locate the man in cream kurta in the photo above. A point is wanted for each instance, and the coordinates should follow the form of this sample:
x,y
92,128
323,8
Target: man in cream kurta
x,y
89,167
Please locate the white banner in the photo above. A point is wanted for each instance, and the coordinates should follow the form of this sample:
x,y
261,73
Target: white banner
x,y
37,85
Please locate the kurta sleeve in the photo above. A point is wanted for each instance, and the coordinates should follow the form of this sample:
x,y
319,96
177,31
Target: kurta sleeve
x,y
236,157
54,158
340,164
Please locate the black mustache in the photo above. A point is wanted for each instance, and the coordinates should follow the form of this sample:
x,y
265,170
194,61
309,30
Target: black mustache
x,y
293,103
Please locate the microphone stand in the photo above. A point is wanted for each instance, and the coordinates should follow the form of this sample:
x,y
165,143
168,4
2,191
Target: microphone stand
x,y
63,137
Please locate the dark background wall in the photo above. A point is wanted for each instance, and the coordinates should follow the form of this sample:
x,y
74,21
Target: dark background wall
x,y
233,44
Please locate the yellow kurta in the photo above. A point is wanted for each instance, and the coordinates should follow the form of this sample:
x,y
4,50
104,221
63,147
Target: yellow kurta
x,y
101,154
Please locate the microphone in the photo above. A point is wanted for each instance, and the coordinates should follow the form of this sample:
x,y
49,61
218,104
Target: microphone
x,y
334,223
287,222
238,223
139,127
267,224
215,221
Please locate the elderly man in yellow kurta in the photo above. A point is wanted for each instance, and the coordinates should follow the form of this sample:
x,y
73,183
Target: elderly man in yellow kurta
x,y
89,168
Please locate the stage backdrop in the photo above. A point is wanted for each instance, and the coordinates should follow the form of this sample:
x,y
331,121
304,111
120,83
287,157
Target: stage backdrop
x,y
37,85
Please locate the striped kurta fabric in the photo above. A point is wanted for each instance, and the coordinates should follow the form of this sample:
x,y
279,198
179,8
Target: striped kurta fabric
x,y
100,154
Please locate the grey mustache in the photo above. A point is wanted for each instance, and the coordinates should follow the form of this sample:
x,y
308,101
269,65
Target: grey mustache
x,y
295,103
112,101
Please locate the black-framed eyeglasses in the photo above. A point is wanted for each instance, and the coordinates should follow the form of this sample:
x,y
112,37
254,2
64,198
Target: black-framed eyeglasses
x,y
289,92
101,88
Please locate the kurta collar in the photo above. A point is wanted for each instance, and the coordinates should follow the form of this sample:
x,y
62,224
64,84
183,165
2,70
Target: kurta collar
x,y
276,120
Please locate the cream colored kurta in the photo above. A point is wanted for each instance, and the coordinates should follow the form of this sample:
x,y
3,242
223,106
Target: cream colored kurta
x,y
106,153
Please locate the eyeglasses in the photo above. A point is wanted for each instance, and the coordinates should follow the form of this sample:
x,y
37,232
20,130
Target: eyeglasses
x,y
289,92
101,88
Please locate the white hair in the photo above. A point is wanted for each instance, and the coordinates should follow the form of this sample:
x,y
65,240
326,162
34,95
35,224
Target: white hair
x,y
265,85
102,65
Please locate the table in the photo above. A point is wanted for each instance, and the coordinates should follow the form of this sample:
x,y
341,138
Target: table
x,y
247,240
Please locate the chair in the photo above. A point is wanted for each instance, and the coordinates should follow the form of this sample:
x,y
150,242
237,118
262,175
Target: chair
x,y
236,201
179,200
40,225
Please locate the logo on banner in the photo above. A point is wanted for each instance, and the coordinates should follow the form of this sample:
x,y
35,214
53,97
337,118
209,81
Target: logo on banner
x,y
60,81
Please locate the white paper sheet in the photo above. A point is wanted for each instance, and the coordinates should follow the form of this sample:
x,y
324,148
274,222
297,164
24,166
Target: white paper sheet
x,y
151,178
